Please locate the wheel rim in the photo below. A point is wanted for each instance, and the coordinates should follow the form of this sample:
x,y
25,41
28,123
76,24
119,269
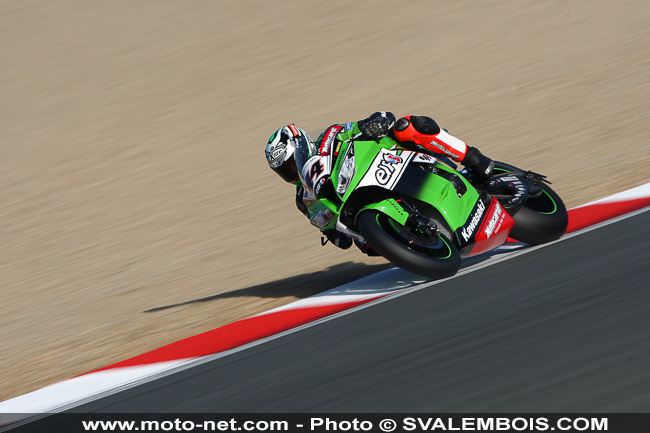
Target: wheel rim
x,y
436,247
540,204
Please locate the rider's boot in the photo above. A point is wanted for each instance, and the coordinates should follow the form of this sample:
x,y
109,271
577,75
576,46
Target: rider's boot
x,y
481,165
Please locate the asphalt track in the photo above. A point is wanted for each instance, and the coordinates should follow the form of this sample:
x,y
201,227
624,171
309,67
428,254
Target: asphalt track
x,y
564,328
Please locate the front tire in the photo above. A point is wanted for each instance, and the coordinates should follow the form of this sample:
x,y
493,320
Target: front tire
x,y
432,258
541,219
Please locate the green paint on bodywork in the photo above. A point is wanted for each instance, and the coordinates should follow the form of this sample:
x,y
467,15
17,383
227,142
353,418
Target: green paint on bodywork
x,y
364,155
391,208
415,182
441,194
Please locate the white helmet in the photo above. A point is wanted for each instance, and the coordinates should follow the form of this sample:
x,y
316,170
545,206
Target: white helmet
x,y
280,151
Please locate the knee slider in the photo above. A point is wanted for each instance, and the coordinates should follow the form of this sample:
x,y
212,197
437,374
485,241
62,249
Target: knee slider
x,y
402,124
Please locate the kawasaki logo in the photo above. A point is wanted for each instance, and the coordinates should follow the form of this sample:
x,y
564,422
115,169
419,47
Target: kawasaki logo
x,y
467,231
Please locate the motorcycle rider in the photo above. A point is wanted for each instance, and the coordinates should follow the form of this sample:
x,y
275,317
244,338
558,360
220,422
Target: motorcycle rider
x,y
410,131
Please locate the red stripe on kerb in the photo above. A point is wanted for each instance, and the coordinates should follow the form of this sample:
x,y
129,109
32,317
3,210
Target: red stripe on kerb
x,y
236,334
596,213
258,327
591,214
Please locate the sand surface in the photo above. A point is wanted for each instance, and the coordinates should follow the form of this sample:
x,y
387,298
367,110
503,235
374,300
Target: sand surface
x,y
136,207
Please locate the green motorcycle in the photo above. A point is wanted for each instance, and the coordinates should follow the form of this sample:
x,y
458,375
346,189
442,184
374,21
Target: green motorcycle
x,y
417,210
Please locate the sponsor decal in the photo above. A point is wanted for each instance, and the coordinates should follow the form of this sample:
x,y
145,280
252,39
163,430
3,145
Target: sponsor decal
x,y
493,229
469,230
392,159
387,167
319,185
520,188
495,221
348,126
328,139
338,148
421,157
397,207
443,149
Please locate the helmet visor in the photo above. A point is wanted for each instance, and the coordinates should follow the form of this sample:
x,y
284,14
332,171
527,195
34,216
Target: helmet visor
x,y
288,170
303,152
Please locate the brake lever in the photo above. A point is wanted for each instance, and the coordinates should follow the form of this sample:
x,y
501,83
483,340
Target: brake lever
x,y
536,177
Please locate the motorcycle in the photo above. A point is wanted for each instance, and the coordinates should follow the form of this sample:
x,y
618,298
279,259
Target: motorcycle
x,y
417,210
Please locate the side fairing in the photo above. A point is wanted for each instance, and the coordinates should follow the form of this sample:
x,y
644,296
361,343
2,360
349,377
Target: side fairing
x,y
444,189
366,172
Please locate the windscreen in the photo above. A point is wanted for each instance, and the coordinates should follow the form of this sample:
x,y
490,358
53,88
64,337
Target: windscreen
x,y
304,150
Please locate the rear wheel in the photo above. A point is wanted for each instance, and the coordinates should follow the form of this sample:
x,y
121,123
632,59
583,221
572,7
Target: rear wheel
x,y
429,255
542,218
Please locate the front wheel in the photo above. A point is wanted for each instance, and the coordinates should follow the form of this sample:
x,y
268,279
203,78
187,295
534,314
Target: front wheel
x,y
541,219
430,256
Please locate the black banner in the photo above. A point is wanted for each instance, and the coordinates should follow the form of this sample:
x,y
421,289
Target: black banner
x,y
383,423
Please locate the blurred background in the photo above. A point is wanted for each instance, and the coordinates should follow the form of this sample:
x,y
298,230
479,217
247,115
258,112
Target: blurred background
x,y
136,206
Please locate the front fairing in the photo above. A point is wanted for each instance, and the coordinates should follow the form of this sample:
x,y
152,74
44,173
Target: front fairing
x,y
354,160
383,164
384,170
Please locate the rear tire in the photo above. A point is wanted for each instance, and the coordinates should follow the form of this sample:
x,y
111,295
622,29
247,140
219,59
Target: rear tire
x,y
436,258
541,219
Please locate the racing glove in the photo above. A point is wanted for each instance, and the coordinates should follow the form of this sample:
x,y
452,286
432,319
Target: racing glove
x,y
377,124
